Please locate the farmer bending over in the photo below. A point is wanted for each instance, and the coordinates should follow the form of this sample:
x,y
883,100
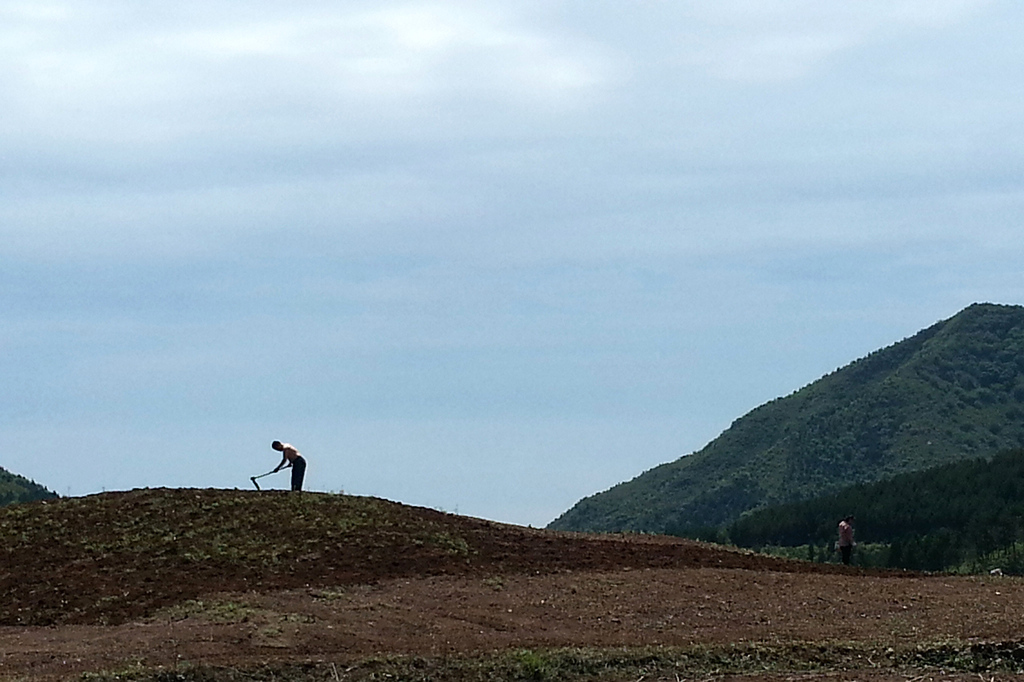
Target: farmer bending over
x,y
292,459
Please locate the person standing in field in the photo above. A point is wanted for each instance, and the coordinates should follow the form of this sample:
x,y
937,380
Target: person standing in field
x,y
846,539
291,458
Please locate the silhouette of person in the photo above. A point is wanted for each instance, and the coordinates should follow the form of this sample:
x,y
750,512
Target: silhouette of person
x,y
291,458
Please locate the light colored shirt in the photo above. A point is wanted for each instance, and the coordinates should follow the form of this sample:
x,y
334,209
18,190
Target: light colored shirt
x,y
845,534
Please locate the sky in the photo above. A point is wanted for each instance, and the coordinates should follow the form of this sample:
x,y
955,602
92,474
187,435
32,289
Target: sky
x,y
486,257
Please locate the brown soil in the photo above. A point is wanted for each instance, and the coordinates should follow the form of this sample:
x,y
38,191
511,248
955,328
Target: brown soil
x,y
499,588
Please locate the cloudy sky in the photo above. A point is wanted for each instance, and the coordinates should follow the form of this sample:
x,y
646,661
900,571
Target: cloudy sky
x,y
488,257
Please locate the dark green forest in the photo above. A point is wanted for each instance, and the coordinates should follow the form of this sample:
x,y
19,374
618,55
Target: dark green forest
x,y
14,488
967,515
952,392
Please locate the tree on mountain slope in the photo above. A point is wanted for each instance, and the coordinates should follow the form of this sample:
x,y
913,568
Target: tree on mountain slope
x,y
932,520
15,488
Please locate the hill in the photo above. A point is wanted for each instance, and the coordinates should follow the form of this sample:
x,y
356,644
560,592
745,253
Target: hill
x,y
221,585
112,557
936,519
953,391
15,488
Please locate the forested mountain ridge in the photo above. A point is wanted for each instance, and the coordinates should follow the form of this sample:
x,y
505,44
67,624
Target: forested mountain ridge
x,y
15,488
952,391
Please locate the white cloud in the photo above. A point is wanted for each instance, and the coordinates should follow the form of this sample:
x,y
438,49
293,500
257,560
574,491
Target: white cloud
x,y
778,40
73,72
417,50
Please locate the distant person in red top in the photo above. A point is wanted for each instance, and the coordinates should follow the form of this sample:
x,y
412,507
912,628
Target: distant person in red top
x,y
292,459
846,539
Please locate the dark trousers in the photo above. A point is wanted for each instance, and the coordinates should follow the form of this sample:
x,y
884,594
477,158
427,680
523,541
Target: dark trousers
x,y
298,472
845,551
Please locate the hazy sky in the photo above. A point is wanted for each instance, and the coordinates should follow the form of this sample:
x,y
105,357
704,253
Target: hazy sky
x,y
489,257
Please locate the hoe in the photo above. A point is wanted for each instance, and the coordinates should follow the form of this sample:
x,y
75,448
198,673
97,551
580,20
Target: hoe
x,y
253,478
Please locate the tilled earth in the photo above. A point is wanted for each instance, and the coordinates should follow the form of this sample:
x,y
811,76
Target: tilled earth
x,y
445,615
493,589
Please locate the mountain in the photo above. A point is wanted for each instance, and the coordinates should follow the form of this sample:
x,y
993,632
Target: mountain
x,y
15,488
952,391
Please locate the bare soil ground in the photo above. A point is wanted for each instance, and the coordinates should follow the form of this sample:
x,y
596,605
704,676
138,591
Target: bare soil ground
x,y
515,601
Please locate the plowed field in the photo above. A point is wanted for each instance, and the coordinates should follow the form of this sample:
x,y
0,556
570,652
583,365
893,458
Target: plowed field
x,y
205,584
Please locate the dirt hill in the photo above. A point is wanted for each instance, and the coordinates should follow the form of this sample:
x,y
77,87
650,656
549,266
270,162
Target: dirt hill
x,y
210,585
116,556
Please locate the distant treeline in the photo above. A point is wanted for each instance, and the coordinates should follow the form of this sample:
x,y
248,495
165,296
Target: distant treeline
x,y
969,513
15,488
